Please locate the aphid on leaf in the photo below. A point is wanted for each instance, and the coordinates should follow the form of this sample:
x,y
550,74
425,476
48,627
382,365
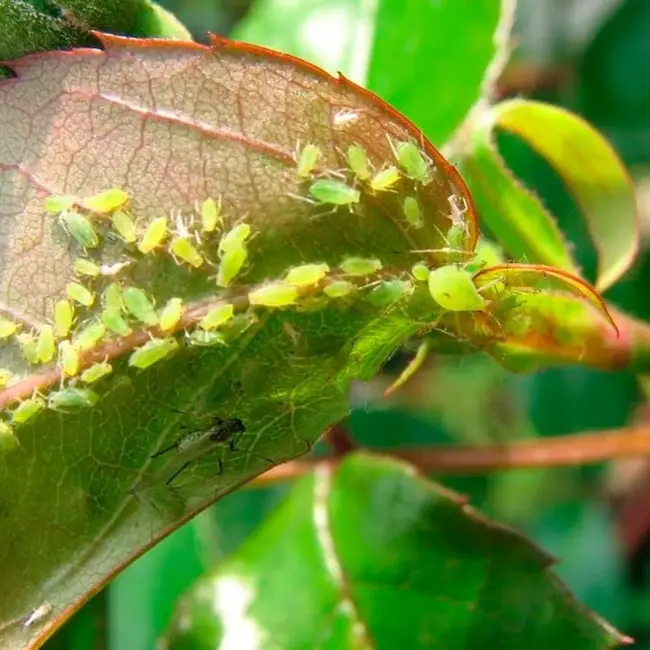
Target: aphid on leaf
x,y
112,297
230,265
7,328
412,161
412,212
388,292
113,320
154,235
217,316
63,318
96,372
332,192
29,347
86,267
358,162
106,201
38,615
360,266
72,398
139,306
453,289
8,440
234,239
274,294
152,351
27,409
339,289
89,336
210,214
203,338
45,345
420,272
69,360
183,248
80,294
78,227
124,225
307,274
171,314
307,159
56,204
384,179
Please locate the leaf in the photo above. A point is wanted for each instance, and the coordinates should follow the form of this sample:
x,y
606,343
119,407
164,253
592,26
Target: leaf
x,y
587,164
170,125
368,538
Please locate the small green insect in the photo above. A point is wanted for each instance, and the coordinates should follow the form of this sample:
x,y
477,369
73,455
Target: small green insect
x,y
112,297
139,306
230,265
420,272
358,161
8,440
453,289
274,294
332,192
86,267
7,328
96,372
154,235
412,161
69,360
124,226
27,409
78,227
152,351
388,292
412,212
171,314
78,293
235,238
72,398
183,249
114,321
5,376
384,179
45,345
307,274
63,318
107,201
89,336
217,316
307,160
360,266
203,338
56,204
29,347
210,214
339,289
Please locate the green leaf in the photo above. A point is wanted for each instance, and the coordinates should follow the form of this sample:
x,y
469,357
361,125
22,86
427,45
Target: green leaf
x,y
153,20
587,164
378,557
199,409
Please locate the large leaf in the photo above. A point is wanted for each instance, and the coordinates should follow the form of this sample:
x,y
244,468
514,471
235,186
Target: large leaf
x,y
173,124
378,557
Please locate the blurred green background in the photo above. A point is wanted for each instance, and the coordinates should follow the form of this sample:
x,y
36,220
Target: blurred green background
x,y
593,57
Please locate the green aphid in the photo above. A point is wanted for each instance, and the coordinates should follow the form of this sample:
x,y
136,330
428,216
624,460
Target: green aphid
x,y
8,440
307,160
56,204
78,227
412,212
412,162
154,235
69,360
388,292
5,376
358,161
29,347
89,336
96,372
124,226
171,314
453,289
183,248
107,201
420,272
139,306
78,293
204,338
339,289
234,239
307,274
152,351
210,215
360,266
274,294
86,267
332,192
8,328
63,318
230,265
112,297
27,409
384,179
45,344
72,398
217,316
114,321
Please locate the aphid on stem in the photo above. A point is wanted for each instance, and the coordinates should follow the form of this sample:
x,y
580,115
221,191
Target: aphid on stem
x,y
217,316
69,360
27,409
152,352
96,372
139,306
171,314
45,345
274,294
